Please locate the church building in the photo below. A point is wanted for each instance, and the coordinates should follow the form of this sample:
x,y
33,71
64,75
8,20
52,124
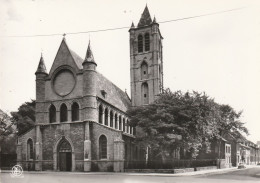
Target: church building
x,y
81,120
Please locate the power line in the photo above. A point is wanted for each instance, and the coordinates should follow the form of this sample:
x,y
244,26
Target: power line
x,y
118,28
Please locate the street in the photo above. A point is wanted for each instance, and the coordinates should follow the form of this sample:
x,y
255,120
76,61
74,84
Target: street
x,y
244,175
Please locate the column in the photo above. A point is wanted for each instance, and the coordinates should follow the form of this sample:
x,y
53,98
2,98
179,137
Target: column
x,y
87,149
38,149
119,153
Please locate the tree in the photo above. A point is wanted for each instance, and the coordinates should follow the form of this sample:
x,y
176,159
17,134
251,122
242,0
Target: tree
x,y
24,117
7,133
190,115
194,116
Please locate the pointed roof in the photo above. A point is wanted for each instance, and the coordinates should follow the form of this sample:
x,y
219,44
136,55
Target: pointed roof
x,y
89,55
154,20
41,67
132,25
145,18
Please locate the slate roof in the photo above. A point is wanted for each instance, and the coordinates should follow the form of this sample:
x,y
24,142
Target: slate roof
x,y
78,60
114,95
145,18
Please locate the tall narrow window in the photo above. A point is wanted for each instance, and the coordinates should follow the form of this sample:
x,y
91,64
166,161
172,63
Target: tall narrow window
x,y
145,93
130,129
102,147
116,126
75,112
29,149
123,124
106,117
140,43
147,42
52,114
120,123
144,70
111,119
127,127
63,113
100,114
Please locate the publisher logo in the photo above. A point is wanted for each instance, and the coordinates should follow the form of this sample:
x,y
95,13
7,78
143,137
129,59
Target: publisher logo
x,y
17,171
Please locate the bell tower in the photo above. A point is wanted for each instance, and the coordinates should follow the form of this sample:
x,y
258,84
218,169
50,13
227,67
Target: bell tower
x,y
146,60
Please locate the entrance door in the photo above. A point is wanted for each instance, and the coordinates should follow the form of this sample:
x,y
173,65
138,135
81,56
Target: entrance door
x,y
65,158
65,161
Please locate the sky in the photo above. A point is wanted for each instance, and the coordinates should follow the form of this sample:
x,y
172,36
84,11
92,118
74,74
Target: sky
x,y
217,54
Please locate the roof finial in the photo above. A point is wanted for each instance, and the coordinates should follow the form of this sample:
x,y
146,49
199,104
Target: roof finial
x,y
64,36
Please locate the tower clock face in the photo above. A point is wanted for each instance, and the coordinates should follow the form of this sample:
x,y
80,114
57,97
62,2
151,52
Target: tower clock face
x,y
64,82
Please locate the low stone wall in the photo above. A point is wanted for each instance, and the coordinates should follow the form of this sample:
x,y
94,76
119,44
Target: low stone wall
x,y
205,168
160,170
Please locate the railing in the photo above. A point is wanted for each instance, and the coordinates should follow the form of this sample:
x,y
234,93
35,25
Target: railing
x,y
173,164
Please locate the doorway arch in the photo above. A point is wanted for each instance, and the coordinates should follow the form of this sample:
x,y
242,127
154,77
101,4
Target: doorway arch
x,y
63,155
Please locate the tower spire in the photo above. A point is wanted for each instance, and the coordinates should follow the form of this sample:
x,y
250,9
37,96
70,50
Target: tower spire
x,y
145,18
41,67
89,55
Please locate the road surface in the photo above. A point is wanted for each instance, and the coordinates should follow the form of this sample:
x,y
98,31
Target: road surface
x,y
244,176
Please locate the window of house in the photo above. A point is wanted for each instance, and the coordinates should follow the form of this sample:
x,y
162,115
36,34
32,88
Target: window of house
x,y
140,43
63,113
103,147
147,42
75,111
52,114
29,149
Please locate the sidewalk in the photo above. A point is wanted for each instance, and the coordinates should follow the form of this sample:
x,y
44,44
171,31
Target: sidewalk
x,y
202,172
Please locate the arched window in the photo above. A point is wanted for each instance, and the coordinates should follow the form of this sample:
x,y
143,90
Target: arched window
x,y
130,129
145,93
100,114
127,126
116,126
140,43
123,124
111,119
52,114
106,116
120,123
147,42
29,149
75,112
102,147
144,70
63,113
